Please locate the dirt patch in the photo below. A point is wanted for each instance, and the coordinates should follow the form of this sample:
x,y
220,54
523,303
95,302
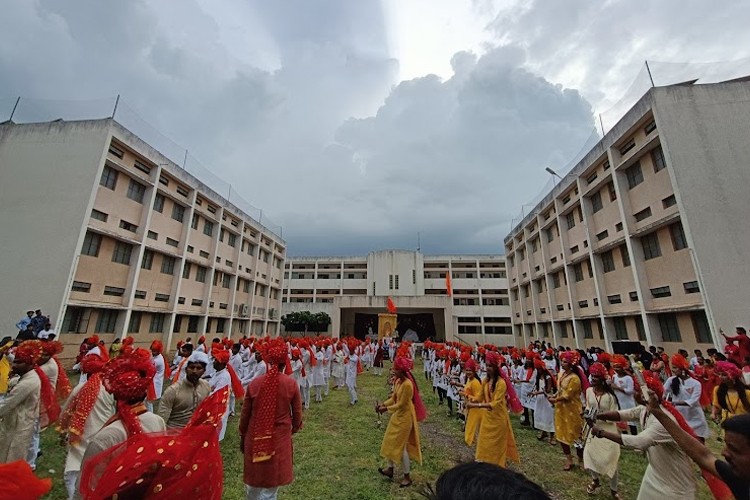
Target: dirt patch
x,y
443,437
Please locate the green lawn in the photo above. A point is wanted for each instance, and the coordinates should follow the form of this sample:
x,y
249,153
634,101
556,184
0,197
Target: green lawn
x,y
336,454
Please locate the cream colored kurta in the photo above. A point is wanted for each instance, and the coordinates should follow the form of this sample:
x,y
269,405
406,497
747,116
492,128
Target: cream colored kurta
x,y
103,409
670,472
601,455
403,429
18,414
52,371
115,433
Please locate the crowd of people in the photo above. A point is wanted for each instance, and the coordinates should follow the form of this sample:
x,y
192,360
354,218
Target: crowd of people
x,y
169,416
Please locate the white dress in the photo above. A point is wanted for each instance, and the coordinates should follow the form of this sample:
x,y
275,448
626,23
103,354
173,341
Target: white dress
x,y
160,366
626,397
544,412
351,371
318,378
690,393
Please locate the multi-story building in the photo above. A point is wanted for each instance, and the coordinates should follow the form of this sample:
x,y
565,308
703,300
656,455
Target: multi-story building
x,y
353,290
108,236
644,239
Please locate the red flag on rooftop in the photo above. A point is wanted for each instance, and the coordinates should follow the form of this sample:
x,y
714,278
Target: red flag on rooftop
x,y
391,306
448,286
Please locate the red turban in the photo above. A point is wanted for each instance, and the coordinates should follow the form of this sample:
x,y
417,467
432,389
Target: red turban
x,y
604,357
405,365
680,362
729,369
620,361
471,365
29,352
128,379
598,370
220,355
571,357
157,346
52,348
94,339
653,382
128,341
492,358
539,364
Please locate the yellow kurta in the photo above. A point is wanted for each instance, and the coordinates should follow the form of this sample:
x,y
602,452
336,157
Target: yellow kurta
x,y
568,419
402,431
601,455
734,405
473,394
496,443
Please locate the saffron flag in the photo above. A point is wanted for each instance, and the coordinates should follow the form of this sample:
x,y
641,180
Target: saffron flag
x,y
390,306
448,286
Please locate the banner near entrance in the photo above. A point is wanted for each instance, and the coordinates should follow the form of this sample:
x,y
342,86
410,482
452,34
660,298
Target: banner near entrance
x,y
386,325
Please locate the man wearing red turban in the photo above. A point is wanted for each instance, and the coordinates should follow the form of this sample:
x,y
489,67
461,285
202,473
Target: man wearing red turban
x,y
162,372
684,392
271,413
224,376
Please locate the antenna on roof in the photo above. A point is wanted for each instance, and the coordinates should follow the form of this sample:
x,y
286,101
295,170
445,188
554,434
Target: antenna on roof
x,y
419,246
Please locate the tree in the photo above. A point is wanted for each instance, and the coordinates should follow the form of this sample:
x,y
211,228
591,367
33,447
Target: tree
x,y
306,321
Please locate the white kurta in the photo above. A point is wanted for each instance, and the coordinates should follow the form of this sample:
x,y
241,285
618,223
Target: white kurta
x,y
625,396
19,412
52,371
103,409
115,433
220,380
351,371
317,370
297,371
670,472
159,364
544,412
690,393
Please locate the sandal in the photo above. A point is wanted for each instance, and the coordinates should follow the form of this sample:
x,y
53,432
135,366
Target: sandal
x,y
405,483
593,486
541,436
569,467
386,472
615,495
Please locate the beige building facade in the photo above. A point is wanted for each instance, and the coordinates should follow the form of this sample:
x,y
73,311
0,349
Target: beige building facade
x,y
644,239
109,237
353,290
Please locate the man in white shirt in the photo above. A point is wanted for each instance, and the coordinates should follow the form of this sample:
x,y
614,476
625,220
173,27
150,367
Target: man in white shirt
x,y
46,332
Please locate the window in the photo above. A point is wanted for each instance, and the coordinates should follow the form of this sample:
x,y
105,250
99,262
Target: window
x,y
193,324
691,287
109,178
596,202
571,220
116,151
397,282
640,330
578,272
605,165
618,227
127,226
194,223
534,245
161,297
608,262
167,264
186,270
651,248
222,231
612,191
190,249
657,158
650,127
163,180
669,201
203,254
413,277
643,214
172,243
159,202
96,214
208,228
177,324
662,291
134,326
81,286
200,274
196,302
556,280
157,323
182,191
614,299
148,259
143,168
136,191
226,280
591,178
550,235
633,296
180,300
621,329
583,304
591,268
634,175
220,325
670,330
246,286
625,255
525,289
574,249
114,290
232,240
701,328
91,244
122,252
140,294
107,321
178,212
588,333
212,209
630,144
603,235
152,235
678,236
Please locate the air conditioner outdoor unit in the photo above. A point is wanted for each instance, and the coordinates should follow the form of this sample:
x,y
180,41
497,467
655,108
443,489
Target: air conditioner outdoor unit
x,y
244,309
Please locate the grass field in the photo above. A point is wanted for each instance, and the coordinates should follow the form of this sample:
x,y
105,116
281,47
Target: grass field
x,y
336,454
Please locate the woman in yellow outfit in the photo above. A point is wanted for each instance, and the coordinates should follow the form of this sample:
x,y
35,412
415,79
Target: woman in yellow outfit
x,y
568,406
473,394
401,440
731,397
496,443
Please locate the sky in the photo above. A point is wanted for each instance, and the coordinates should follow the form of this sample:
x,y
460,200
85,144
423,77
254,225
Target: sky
x,y
357,125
